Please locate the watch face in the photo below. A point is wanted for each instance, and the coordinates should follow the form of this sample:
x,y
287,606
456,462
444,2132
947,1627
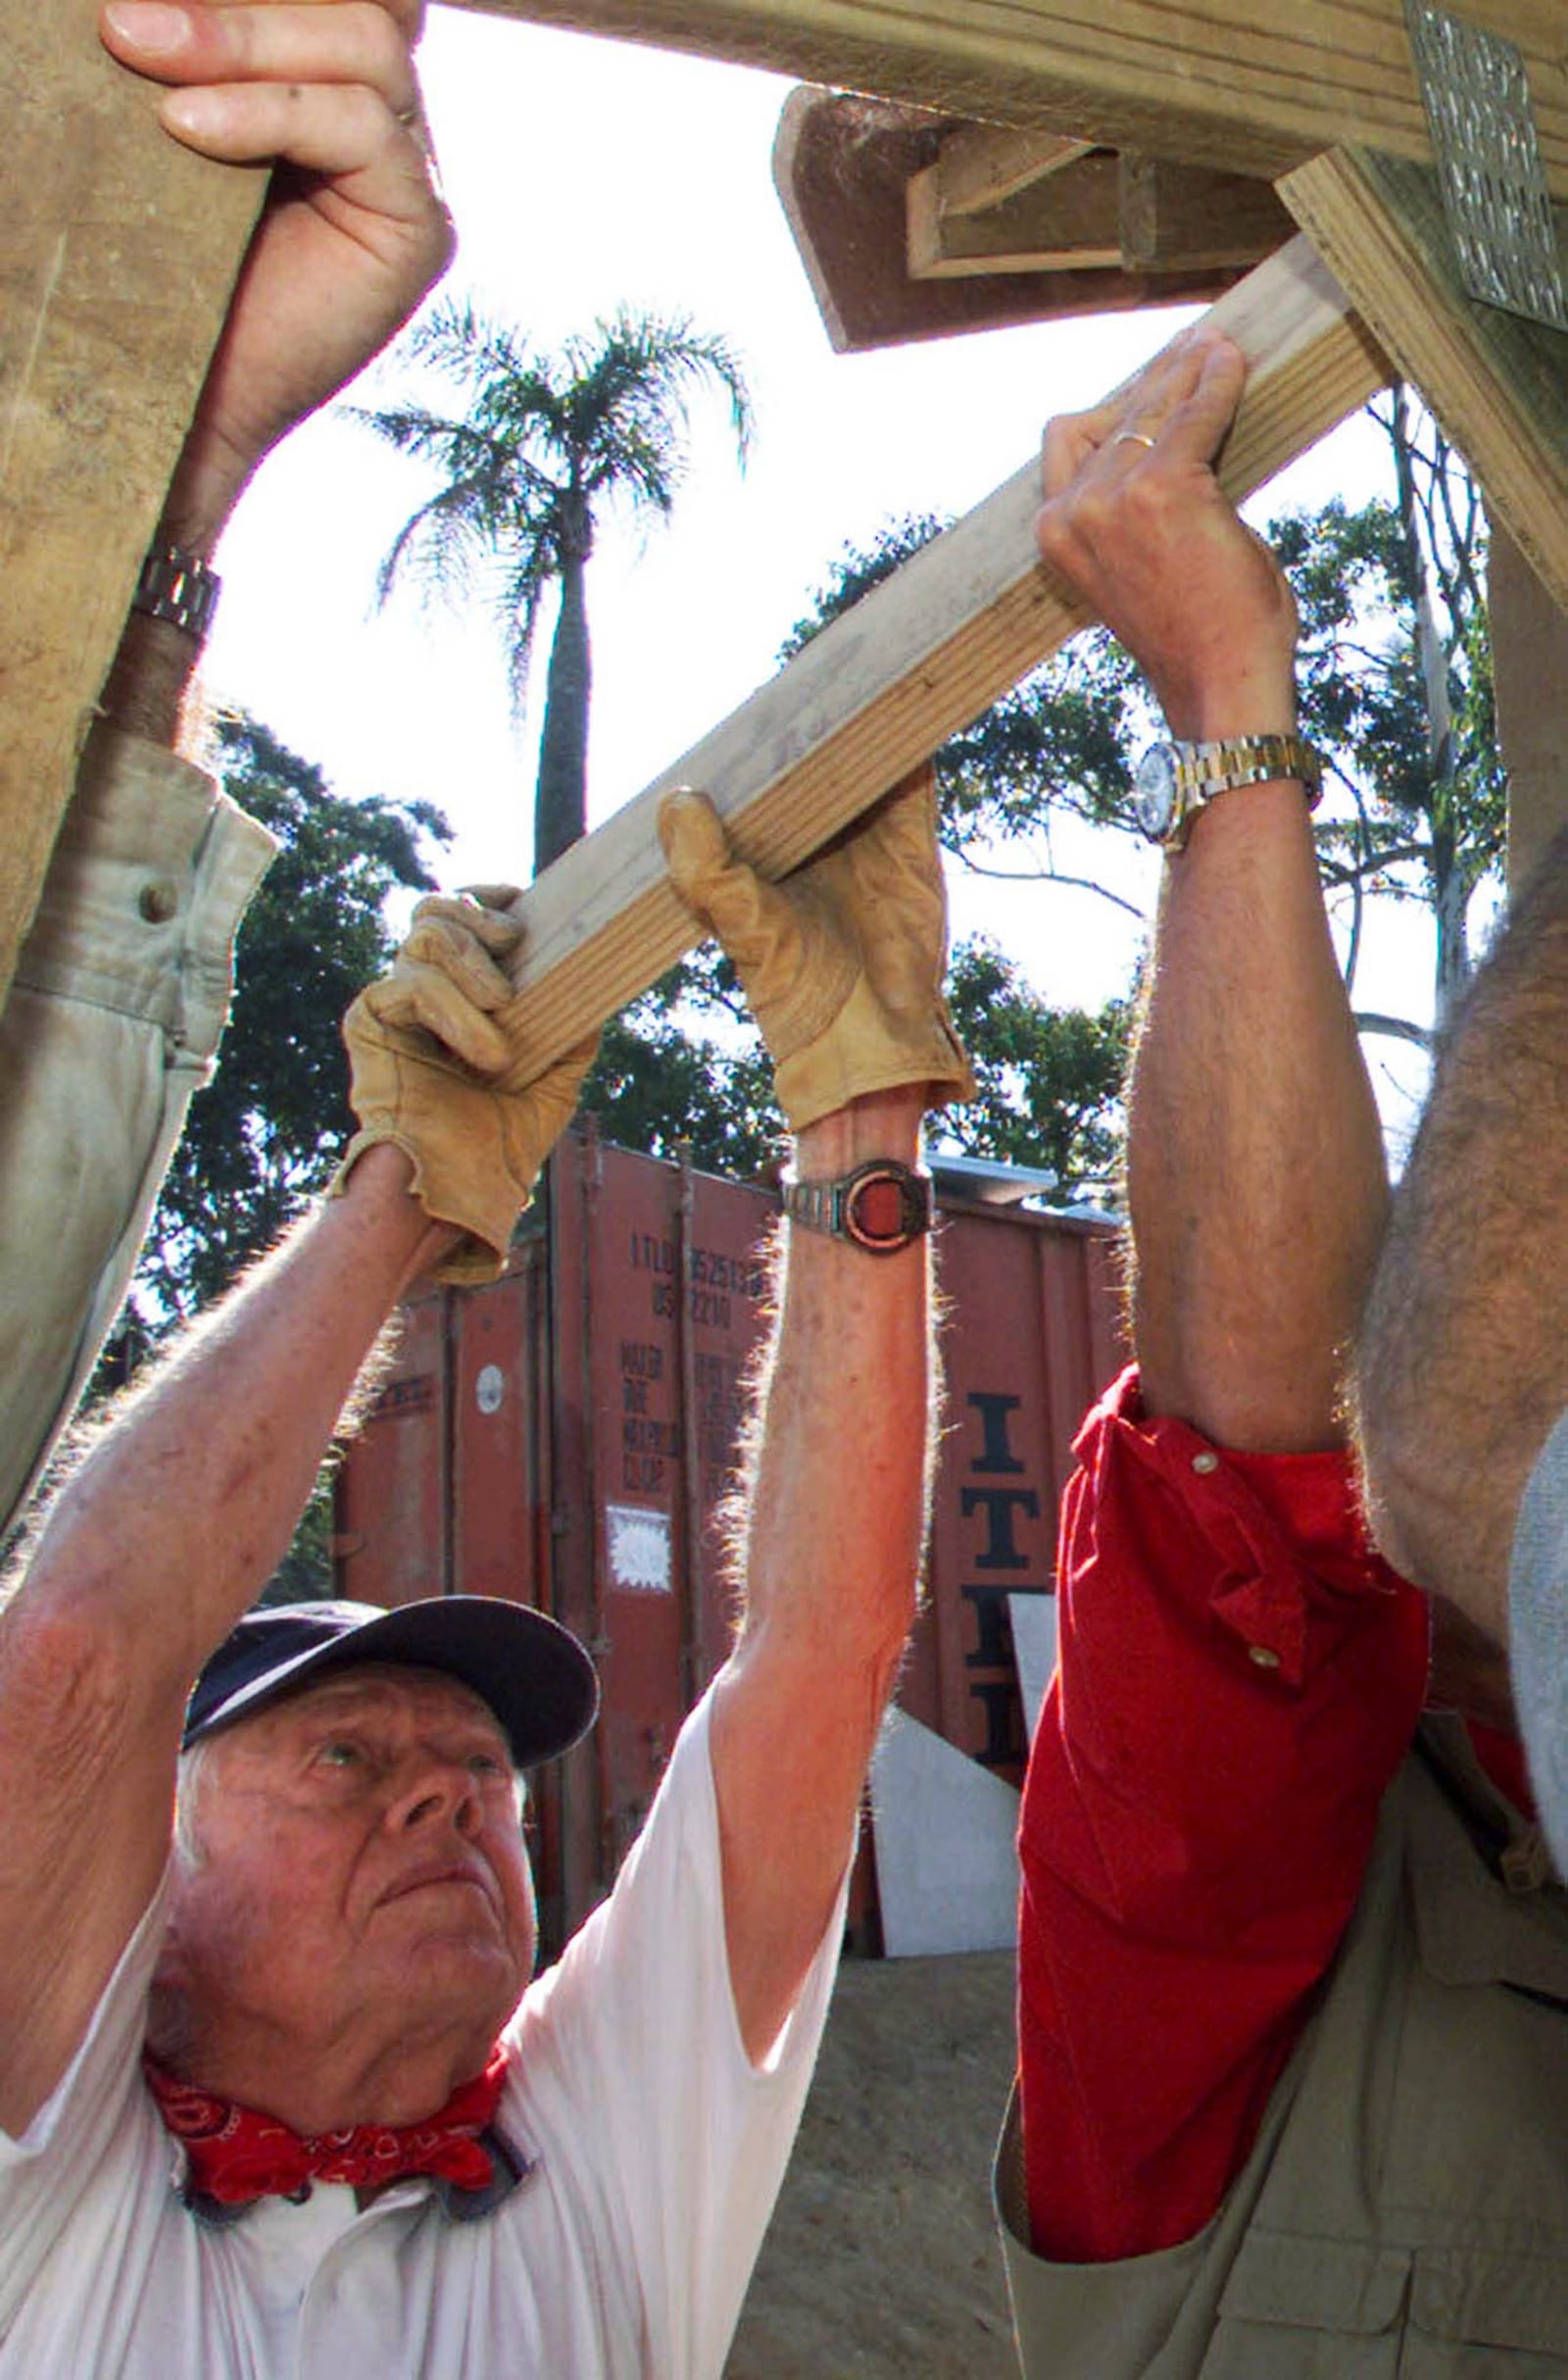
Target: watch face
x,y
885,1207
1154,791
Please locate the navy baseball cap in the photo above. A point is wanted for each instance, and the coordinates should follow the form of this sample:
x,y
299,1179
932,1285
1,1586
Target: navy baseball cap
x,y
533,1673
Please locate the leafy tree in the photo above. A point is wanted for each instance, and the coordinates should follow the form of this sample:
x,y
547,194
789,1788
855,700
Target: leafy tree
x,y
1047,1081
1396,689
683,1071
264,1134
546,446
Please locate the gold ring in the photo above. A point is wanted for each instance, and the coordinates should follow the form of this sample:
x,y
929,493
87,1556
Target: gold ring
x,y
1132,438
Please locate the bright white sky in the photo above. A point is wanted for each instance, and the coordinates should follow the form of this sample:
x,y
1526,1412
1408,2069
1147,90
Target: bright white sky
x,y
584,174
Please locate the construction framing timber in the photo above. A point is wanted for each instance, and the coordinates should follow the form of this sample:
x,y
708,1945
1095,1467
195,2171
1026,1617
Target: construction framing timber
x,y
879,689
117,251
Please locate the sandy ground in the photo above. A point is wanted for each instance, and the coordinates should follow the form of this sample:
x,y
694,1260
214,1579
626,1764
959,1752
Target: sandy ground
x,y
881,2258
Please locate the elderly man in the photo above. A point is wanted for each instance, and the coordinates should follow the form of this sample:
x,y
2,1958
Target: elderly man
x,y
1293,1967
276,2094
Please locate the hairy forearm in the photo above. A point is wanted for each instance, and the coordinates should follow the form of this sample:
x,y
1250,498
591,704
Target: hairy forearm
x,y
178,1516
843,1422
1255,1169
1463,1358
828,1560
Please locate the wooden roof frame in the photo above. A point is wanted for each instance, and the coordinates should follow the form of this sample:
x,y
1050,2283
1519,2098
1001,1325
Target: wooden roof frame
x,y
117,252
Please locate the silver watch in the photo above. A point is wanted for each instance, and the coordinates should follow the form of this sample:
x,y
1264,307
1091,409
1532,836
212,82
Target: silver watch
x,y
1173,782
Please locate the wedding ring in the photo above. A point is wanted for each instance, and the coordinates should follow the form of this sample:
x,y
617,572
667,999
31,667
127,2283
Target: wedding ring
x,y
1132,438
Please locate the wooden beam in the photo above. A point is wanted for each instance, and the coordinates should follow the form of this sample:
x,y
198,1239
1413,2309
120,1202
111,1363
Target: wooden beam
x,y
842,165
1088,210
1498,384
1189,219
118,249
1066,221
1529,670
882,687
1249,86
980,166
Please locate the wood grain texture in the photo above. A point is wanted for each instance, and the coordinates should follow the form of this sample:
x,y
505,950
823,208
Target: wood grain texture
x,y
1186,219
841,166
982,164
1063,222
1498,383
1530,664
881,688
118,249
1251,86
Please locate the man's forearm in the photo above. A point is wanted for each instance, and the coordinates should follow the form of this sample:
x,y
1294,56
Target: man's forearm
x,y
830,1561
1463,1358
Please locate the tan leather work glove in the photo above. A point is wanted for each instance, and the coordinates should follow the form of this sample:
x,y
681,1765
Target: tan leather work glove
x,y
437,1071
843,960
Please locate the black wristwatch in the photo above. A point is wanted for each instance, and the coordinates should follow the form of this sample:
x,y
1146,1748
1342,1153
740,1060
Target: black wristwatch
x,y
880,1207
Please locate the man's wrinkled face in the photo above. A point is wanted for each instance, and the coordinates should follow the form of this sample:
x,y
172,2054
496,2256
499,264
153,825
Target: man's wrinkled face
x,y
359,1862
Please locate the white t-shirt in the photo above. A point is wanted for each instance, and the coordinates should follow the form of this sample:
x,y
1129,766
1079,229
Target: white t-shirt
x,y
656,2151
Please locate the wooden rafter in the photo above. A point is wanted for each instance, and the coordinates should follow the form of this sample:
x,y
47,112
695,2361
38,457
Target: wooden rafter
x,y
1498,384
882,687
1530,672
1251,86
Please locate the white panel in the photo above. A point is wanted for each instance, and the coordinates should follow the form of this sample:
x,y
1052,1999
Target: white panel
x,y
946,1861
639,1548
1034,1647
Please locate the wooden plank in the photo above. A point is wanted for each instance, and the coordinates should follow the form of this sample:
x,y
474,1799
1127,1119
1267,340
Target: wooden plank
x,y
118,249
842,165
1498,384
981,165
1529,670
1250,86
1064,221
880,688
1189,219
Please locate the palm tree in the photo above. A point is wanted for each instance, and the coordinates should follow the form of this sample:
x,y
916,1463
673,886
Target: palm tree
x,y
546,446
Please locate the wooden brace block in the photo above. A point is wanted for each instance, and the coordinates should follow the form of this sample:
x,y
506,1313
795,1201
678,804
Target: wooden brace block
x,y
877,691
118,249
980,166
1186,218
842,166
1498,383
1065,219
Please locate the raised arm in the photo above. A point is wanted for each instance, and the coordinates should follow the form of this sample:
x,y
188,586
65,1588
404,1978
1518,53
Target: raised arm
x,y
842,966
1237,1680
1255,1158
179,1514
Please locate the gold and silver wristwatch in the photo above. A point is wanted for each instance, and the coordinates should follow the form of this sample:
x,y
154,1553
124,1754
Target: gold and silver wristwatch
x,y
1173,782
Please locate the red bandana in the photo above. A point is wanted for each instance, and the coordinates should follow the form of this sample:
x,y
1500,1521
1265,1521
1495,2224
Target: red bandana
x,y
237,2155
